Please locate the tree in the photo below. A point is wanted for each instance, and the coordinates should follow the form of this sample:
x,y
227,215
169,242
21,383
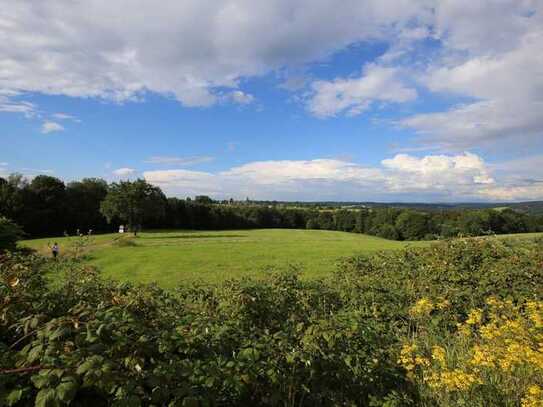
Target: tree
x,y
134,203
10,232
203,200
387,231
43,206
412,225
83,198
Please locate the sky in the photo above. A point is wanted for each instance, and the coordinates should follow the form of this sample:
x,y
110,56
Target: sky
x,y
358,100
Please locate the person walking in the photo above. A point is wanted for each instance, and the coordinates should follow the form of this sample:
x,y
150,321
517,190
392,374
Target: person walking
x,y
55,250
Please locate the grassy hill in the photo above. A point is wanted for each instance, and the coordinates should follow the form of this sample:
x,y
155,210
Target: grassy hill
x,y
174,257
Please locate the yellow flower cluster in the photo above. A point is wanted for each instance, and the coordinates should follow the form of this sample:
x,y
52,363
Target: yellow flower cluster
x,y
533,397
438,354
410,360
501,345
422,308
453,380
474,317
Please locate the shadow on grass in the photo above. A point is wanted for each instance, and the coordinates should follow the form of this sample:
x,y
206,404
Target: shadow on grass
x,y
190,236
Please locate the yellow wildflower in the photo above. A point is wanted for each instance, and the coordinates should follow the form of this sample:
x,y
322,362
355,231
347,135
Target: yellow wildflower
x,y
438,354
455,380
492,301
406,356
482,357
474,317
421,308
533,397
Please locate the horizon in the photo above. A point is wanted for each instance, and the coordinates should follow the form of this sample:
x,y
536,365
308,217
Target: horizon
x,y
421,102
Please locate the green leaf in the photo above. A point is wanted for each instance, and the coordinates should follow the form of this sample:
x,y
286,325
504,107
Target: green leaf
x,y
46,398
85,366
13,397
40,380
66,391
34,354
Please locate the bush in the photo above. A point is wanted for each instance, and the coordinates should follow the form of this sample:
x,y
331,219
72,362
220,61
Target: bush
x,y
494,355
10,233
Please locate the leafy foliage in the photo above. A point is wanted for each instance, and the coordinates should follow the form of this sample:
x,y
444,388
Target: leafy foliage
x,y
277,341
133,202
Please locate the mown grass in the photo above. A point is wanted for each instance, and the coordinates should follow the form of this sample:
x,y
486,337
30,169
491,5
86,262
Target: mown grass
x,y
170,258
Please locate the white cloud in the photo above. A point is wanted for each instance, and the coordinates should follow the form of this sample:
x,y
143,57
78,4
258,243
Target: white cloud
x,y
124,172
9,105
403,177
499,71
64,116
200,51
353,96
37,171
182,161
458,174
485,27
51,127
186,49
240,97
285,172
514,193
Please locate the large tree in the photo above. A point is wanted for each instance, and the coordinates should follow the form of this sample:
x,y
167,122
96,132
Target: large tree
x,y
44,206
84,198
412,225
133,202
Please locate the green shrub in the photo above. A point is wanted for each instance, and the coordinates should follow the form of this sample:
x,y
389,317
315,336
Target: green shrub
x,y
125,242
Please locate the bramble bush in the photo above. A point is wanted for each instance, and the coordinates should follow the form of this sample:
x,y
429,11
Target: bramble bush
x,y
363,337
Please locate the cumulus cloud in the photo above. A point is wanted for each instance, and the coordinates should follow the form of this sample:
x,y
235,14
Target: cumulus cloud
x,y
186,49
488,53
182,161
458,177
124,172
354,95
499,72
51,127
437,172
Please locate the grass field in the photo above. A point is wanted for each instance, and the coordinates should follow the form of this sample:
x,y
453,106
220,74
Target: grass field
x,y
170,258
173,257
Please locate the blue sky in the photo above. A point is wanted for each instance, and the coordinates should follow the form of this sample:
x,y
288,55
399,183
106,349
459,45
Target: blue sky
x,y
379,100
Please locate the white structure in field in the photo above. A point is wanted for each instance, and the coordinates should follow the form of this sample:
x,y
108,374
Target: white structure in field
x,y
121,229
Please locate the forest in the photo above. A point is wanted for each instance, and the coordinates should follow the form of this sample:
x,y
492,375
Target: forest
x,y
46,206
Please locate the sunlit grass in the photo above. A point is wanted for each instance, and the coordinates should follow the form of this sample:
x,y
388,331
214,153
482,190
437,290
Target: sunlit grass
x,y
174,257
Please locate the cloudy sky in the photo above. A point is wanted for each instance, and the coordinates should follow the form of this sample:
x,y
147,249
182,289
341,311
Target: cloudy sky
x,y
389,100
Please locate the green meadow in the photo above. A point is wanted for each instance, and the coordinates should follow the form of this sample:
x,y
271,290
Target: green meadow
x,y
170,258
174,257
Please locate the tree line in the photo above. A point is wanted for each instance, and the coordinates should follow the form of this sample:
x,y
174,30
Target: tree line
x,y
46,206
